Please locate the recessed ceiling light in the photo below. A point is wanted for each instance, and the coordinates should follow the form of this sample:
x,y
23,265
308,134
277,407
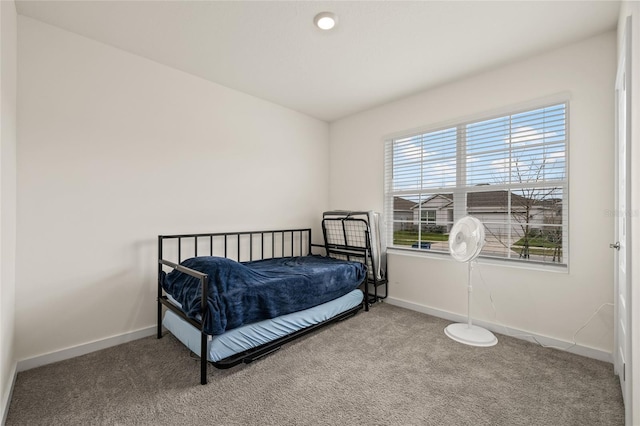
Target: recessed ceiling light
x,y
325,20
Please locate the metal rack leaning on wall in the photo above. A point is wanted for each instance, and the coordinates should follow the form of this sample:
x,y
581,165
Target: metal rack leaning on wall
x,y
343,229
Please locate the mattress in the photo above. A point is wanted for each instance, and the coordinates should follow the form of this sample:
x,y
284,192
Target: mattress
x,y
253,335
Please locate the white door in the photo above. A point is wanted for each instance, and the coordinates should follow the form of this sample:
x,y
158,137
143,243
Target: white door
x,y
622,196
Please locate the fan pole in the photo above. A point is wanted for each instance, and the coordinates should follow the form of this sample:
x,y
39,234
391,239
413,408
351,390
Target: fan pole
x,y
469,291
468,333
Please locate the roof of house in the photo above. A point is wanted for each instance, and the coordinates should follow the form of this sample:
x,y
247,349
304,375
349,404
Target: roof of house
x,y
402,204
447,197
493,199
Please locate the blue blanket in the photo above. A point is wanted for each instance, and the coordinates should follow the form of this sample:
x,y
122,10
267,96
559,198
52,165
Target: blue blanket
x,y
242,293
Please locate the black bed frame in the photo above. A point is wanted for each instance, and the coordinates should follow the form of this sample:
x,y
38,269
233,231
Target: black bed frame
x,y
355,246
243,246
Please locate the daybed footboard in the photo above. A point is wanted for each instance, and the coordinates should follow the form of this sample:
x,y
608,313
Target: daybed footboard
x,y
163,300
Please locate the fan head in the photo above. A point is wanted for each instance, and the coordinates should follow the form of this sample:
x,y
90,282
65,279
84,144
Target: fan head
x,y
466,239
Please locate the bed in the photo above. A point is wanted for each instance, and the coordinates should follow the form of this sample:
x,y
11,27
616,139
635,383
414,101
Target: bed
x,y
234,297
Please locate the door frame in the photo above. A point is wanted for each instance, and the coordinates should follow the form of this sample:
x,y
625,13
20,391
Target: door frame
x,y
623,79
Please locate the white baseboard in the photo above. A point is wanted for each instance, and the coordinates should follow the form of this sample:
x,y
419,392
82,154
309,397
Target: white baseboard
x,y
85,348
37,361
512,332
8,392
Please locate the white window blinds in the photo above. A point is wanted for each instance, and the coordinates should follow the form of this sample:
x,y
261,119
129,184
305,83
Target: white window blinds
x,y
508,171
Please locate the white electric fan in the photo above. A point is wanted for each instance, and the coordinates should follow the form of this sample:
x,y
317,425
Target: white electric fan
x,y
466,239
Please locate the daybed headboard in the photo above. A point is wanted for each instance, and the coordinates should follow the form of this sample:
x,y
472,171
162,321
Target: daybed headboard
x,y
239,246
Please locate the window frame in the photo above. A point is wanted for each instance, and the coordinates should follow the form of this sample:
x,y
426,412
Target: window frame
x,y
425,216
462,188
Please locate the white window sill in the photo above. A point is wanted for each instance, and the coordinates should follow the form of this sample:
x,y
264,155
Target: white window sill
x,y
483,260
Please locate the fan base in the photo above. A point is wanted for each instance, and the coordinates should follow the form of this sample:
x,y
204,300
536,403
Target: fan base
x,y
474,335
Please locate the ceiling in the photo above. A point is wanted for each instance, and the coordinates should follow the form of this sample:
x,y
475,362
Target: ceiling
x,y
380,51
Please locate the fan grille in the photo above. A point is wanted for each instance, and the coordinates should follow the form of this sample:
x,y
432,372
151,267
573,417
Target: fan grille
x,y
466,239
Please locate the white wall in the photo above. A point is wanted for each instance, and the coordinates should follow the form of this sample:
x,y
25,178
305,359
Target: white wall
x,y
114,150
8,63
546,303
632,8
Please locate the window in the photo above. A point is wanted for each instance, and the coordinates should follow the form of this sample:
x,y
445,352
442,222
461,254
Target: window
x,y
508,171
428,216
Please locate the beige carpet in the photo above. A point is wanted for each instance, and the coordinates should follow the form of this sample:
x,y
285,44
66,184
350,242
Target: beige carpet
x,y
389,366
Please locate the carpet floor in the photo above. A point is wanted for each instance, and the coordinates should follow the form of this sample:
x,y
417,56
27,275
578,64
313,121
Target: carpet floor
x,y
390,366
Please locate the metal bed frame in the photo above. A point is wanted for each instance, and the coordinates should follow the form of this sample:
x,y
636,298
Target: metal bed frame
x,y
349,236
241,246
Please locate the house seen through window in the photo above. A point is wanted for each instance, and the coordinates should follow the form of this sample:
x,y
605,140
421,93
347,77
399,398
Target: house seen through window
x,y
508,171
